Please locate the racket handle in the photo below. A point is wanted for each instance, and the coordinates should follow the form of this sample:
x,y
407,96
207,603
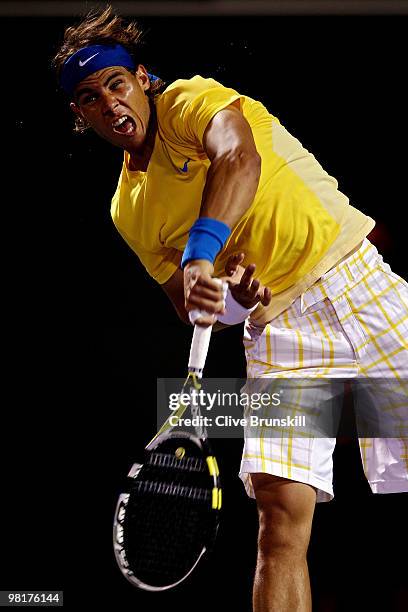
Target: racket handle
x,y
200,344
199,348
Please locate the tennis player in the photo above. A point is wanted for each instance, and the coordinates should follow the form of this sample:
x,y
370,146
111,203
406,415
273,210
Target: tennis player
x,y
213,184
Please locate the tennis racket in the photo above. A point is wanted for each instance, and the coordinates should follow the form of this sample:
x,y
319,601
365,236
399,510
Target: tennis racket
x,y
167,518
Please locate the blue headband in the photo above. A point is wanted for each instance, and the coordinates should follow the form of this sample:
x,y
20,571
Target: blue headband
x,y
91,59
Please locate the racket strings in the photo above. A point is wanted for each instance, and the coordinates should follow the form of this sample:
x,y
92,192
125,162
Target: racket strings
x,y
165,536
169,519
191,464
169,488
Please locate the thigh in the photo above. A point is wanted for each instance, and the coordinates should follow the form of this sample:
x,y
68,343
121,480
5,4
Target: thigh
x,y
378,301
303,461
307,353
274,494
307,340
285,510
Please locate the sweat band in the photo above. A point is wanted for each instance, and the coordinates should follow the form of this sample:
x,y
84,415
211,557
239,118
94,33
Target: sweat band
x,y
206,239
91,59
234,312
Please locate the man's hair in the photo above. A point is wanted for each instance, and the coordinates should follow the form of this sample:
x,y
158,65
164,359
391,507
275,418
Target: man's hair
x,y
103,27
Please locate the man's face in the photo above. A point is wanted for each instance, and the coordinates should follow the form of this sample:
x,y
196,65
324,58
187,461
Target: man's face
x,y
114,104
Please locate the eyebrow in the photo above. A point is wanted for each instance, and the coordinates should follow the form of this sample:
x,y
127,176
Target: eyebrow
x,y
85,90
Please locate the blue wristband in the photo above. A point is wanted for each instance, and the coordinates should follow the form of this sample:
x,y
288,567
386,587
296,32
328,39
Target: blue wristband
x,y
206,239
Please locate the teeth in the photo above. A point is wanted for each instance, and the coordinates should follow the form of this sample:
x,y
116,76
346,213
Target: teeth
x,y
119,121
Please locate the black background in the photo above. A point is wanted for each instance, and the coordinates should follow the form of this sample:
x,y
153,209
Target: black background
x,y
86,331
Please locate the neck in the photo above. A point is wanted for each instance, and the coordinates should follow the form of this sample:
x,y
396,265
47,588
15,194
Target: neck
x,y
139,160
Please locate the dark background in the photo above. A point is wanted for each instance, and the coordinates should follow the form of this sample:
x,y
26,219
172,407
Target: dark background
x,y
86,331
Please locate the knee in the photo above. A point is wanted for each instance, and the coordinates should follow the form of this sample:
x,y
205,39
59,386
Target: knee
x,y
285,511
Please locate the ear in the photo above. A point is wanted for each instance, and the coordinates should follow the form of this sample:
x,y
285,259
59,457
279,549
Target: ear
x,y
142,77
75,109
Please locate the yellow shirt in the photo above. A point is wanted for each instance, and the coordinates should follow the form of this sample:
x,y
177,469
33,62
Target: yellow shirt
x,y
298,226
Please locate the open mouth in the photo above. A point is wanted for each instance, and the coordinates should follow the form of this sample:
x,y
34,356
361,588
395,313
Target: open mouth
x,y
124,125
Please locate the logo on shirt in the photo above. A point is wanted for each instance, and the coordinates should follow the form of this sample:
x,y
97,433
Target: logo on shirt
x,y
184,168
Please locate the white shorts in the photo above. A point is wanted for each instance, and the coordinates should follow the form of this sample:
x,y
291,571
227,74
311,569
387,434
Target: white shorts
x,y
351,324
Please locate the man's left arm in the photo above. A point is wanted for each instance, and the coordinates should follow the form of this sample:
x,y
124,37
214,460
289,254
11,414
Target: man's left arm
x,y
230,188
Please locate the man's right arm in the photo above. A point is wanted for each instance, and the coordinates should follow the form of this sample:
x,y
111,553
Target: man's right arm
x,y
246,290
174,288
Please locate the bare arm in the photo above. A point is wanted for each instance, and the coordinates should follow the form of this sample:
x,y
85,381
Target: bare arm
x,y
233,176
175,292
231,184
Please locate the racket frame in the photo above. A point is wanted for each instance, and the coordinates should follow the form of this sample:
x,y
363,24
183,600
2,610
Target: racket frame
x,y
198,354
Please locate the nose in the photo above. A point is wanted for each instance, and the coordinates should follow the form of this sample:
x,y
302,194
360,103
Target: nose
x,y
109,103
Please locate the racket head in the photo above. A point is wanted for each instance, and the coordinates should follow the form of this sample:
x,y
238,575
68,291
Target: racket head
x,y
167,518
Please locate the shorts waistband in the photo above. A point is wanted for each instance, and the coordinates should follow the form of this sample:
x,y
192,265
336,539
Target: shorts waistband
x,y
344,275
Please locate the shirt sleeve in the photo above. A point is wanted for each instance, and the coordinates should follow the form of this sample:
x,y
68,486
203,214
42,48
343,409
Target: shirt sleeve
x,y
187,106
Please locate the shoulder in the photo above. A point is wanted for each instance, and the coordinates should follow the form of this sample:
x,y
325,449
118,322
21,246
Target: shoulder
x,y
184,91
196,83
187,106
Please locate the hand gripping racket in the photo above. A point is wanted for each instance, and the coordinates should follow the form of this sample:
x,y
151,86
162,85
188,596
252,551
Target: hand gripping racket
x,y
167,518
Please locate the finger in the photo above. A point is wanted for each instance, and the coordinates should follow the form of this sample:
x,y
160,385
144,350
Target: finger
x,y
210,306
247,276
190,281
255,286
251,292
233,262
210,283
206,293
267,296
205,290
192,274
